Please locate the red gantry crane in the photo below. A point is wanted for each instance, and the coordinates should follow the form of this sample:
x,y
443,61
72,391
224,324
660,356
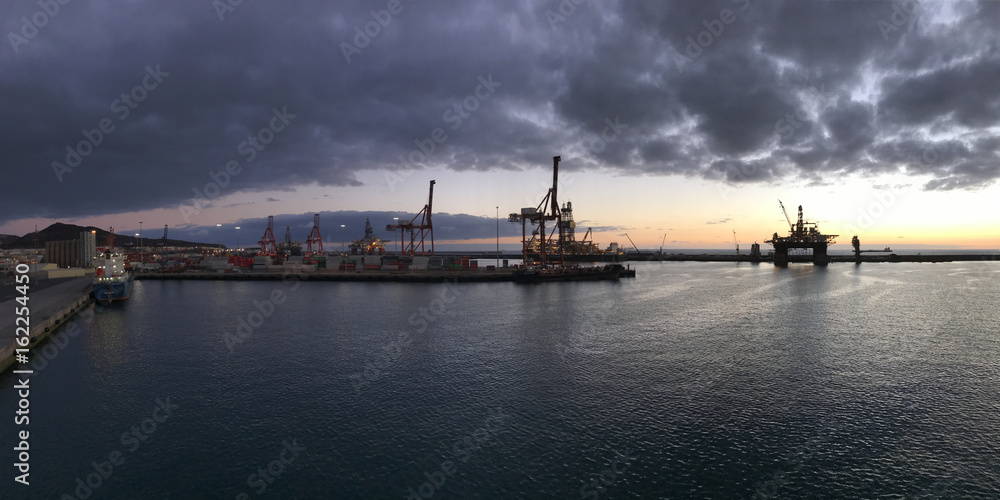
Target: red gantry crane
x,y
419,232
314,239
109,242
268,246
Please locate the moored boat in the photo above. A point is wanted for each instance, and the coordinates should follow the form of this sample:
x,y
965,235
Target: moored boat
x,y
112,283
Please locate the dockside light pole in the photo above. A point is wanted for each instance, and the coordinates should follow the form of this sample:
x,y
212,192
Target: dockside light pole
x,y
142,254
498,237
395,243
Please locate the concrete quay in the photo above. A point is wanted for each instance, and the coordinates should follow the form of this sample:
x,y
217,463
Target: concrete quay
x,y
51,302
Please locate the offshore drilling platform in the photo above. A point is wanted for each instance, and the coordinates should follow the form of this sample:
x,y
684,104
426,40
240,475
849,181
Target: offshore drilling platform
x,y
802,235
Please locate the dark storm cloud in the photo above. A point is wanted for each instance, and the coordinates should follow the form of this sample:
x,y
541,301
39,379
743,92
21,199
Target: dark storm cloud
x,y
965,93
732,90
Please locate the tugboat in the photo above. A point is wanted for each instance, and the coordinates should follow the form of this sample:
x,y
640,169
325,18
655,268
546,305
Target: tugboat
x,y
111,282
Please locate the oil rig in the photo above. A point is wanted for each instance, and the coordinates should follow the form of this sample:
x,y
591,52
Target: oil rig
x,y
550,245
802,235
558,245
369,244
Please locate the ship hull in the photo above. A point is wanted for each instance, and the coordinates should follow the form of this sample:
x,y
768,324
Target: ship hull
x,y
113,291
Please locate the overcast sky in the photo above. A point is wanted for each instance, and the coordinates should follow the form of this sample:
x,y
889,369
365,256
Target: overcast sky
x,y
353,106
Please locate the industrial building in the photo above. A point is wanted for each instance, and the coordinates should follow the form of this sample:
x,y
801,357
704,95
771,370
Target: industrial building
x,y
72,253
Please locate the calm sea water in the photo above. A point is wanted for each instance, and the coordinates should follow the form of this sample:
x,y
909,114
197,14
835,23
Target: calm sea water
x,y
694,380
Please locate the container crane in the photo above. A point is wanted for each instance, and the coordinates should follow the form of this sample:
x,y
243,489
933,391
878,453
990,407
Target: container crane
x,y
268,246
424,230
737,243
109,242
314,239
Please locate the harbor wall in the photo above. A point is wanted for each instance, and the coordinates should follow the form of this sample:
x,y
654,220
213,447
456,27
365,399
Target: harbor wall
x,y
51,308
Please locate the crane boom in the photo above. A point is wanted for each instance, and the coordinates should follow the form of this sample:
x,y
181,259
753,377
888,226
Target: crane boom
x,y
633,245
787,218
736,242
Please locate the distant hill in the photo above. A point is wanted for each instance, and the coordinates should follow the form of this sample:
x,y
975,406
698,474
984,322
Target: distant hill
x,y
60,232
7,239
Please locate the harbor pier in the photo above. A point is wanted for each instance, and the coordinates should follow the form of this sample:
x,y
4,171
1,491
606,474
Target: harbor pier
x,y
52,302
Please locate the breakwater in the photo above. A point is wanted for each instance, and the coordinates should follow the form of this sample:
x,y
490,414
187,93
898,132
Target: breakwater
x,y
928,258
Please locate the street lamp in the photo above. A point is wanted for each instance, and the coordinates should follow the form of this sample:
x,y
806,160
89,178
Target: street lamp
x,y
220,245
498,237
140,240
395,244
343,234
238,239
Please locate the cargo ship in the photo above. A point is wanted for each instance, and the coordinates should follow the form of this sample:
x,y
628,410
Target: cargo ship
x,y
112,283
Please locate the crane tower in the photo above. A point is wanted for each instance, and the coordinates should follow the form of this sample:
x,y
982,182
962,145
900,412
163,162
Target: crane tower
x,y
420,232
268,246
314,239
